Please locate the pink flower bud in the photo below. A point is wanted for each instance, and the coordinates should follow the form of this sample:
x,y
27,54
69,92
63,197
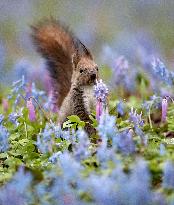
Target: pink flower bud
x,y
31,109
164,110
5,104
99,107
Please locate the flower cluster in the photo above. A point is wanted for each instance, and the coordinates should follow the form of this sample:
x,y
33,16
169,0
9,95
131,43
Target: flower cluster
x,y
45,140
162,72
101,91
136,118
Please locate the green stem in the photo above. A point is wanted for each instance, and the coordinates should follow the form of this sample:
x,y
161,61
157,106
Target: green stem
x,y
150,121
26,130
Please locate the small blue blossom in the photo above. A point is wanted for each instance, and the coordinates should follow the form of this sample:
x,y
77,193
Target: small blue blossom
x,y
53,159
36,93
1,118
154,102
3,139
18,86
121,108
18,90
13,118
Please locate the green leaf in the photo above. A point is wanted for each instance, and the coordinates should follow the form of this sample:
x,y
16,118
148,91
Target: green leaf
x,y
82,124
67,124
74,118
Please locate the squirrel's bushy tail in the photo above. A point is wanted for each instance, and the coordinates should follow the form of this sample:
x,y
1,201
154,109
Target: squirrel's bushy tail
x,y
57,45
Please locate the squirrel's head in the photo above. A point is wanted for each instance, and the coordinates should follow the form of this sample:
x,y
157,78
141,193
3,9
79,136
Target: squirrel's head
x,y
85,70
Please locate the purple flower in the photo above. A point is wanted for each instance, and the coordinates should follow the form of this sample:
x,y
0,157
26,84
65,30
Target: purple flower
x,y
101,91
5,104
164,110
99,108
3,139
31,109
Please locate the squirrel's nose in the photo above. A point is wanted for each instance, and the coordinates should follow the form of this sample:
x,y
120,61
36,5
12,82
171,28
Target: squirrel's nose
x,y
93,76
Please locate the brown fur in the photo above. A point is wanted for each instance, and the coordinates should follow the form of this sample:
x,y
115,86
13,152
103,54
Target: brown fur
x,y
71,68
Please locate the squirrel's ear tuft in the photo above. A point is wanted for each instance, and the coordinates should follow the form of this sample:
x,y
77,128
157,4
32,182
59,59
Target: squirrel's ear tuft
x,y
75,59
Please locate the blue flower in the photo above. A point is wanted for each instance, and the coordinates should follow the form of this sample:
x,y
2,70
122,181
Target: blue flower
x,y
120,108
17,191
17,92
36,93
139,184
154,102
45,140
162,149
70,167
53,159
168,176
81,147
1,118
13,118
3,139
162,72
124,142
107,127
136,118
122,75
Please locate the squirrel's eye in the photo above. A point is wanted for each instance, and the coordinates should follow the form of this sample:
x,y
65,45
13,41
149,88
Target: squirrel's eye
x,y
81,71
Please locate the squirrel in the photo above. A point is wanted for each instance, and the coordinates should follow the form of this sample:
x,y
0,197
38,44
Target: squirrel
x,y
71,67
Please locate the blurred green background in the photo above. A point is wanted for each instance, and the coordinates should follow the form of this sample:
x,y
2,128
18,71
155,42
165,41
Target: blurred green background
x,y
96,22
